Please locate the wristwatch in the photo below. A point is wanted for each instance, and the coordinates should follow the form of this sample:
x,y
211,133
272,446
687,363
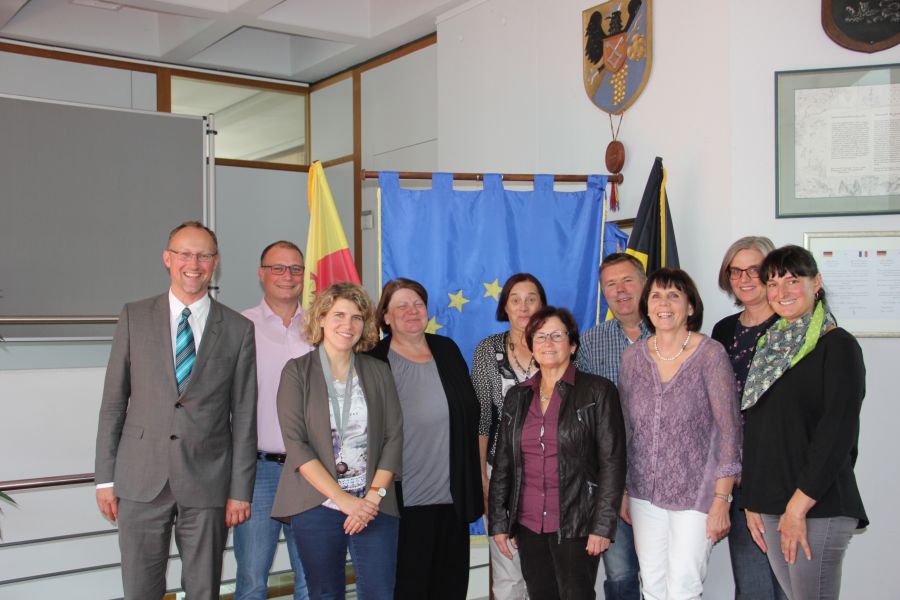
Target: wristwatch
x,y
378,490
726,497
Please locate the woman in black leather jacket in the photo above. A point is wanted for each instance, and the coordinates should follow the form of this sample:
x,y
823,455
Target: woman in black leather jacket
x,y
559,467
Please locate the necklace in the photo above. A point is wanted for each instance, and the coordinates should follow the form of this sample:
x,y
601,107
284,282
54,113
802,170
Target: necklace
x,y
670,359
526,370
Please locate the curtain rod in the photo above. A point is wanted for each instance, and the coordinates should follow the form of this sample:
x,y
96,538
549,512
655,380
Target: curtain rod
x,y
617,178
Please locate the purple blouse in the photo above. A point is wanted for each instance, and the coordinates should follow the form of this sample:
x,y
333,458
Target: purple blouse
x,y
683,434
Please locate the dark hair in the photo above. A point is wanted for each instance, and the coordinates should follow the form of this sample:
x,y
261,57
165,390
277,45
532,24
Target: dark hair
x,y
792,259
540,317
388,291
621,257
279,244
507,289
760,243
195,225
673,278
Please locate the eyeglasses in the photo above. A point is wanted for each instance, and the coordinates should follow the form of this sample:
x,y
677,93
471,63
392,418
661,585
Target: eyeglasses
x,y
554,336
735,273
281,269
184,257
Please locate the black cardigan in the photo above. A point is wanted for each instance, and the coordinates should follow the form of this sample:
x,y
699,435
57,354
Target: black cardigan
x,y
803,433
465,469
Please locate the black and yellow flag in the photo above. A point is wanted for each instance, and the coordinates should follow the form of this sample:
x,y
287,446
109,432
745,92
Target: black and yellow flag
x,y
652,239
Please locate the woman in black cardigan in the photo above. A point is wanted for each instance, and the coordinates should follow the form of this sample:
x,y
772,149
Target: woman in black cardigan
x,y
802,398
441,484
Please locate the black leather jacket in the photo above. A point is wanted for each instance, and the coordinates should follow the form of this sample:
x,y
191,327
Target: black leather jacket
x,y
591,453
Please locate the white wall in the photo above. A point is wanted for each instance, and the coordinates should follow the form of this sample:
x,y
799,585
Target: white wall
x,y
399,133
331,120
511,98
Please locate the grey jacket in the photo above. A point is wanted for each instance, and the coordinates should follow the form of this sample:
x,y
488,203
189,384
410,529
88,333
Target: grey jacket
x,y
202,442
303,411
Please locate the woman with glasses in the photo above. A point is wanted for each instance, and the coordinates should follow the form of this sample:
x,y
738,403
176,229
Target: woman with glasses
x,y
501,361
441,488
739,333
343,431
802,398
559,467
684,439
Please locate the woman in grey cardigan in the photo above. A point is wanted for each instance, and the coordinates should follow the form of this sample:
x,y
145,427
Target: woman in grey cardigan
x,y
342,428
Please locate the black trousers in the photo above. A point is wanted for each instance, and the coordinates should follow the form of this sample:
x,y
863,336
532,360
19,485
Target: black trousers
x,y
432,554
554,569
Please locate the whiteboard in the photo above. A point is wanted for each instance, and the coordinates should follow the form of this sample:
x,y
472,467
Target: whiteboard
x,y
88,196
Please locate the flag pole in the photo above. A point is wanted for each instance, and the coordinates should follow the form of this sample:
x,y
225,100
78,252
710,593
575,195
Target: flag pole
x,y
611,178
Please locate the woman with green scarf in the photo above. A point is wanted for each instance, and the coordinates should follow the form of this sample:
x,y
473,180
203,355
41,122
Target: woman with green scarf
x,y
802,399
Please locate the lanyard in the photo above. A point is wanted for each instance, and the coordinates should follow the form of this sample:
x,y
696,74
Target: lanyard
x,y
340,417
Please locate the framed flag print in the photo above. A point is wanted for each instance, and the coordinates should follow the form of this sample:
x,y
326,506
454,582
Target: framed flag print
x,y
861,276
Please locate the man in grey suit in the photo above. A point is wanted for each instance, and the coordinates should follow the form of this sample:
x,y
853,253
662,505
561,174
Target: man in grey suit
x,y
176,443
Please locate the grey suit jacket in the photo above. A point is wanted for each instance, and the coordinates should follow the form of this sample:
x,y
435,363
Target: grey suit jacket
x,y
303,411
202,442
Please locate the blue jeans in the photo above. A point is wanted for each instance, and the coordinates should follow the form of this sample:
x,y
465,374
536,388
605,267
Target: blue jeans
x,y
323,550
621,565
753,576
256,540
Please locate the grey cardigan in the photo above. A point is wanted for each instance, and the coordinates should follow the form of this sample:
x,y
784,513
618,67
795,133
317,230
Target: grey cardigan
x,y
303,411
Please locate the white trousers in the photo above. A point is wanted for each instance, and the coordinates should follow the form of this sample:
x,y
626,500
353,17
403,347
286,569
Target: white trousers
x,y
672,549
508,583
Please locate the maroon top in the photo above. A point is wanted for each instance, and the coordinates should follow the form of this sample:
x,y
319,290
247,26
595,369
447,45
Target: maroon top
x,y
539,509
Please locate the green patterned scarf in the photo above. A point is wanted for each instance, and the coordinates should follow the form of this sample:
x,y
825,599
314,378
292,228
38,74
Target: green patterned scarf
x,y
782,347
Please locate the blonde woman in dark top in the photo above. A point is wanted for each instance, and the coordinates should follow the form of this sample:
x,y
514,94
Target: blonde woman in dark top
x,y
739,278
802,399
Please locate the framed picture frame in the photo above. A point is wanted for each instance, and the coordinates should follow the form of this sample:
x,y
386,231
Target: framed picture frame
x,y
861,276
836,141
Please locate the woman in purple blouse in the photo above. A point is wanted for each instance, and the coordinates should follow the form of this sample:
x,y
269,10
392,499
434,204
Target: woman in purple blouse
x,y
684,439
559,467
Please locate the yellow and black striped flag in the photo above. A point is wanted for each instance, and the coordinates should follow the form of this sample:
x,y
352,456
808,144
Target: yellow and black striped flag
x,y
652,239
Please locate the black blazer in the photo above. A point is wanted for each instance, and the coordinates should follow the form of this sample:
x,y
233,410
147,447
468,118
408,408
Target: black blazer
x,y
465,470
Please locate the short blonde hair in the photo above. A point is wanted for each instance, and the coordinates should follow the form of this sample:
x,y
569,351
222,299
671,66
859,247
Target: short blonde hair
x,y
323,302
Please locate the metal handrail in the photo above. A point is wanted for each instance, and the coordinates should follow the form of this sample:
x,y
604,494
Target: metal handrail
x,y
44,482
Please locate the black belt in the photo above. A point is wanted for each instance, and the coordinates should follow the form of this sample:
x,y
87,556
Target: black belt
x,y
278,458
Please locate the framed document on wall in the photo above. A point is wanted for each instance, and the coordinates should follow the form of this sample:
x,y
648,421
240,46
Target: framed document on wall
x,y
837,135
861,275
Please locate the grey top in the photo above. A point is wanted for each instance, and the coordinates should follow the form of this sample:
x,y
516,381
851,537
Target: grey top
x,y
426,432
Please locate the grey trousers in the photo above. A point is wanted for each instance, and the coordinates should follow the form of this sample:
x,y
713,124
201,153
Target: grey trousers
x,y
145,532
819,578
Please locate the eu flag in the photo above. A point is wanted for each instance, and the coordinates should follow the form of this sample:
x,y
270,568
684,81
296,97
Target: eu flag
x,y
463,245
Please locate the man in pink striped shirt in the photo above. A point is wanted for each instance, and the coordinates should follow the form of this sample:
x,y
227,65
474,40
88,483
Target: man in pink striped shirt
x,y
278,320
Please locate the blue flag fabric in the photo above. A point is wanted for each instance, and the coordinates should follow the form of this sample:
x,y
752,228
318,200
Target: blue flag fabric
x,y
463,245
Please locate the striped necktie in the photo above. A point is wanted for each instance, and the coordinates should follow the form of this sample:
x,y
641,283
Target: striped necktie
x,y
184,351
